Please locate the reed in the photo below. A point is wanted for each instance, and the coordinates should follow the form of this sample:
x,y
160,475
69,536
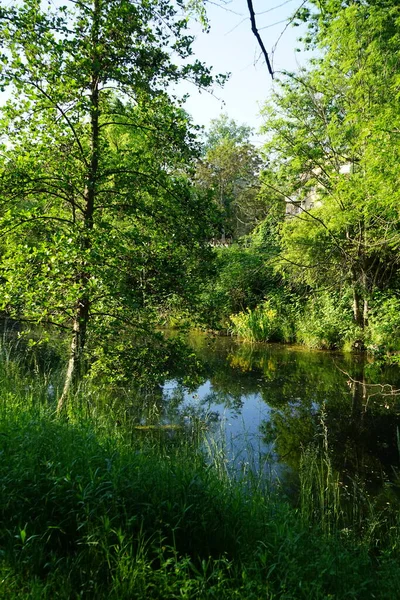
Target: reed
x,y
320,497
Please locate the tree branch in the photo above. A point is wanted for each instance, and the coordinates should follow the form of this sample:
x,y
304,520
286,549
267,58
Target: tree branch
x,y
35,219
66,118
258,37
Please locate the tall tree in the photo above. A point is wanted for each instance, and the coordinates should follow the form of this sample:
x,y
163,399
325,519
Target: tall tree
x,y
93,158
224,129
229,171
333,133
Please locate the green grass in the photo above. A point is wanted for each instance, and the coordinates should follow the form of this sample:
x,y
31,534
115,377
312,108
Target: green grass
x,y
90,508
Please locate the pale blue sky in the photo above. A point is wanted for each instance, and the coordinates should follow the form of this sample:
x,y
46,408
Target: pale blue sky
x,y
231,47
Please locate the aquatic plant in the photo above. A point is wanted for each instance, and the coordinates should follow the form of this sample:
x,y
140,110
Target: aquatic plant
x,y
268,322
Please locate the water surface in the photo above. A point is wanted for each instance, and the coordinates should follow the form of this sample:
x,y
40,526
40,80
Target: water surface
x,y
268,403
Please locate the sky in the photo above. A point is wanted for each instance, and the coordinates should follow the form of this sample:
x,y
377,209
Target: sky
x,y
230,46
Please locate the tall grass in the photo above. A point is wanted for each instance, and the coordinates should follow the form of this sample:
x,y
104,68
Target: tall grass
x,y
93,508
320,498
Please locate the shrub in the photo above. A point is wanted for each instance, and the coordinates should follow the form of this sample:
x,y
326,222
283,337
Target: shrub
x,y
325,323
384,326
241,281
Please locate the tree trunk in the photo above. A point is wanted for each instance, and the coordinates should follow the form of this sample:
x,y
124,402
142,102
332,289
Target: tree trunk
x,y
74,367
81,320
360,302
358,308
365,306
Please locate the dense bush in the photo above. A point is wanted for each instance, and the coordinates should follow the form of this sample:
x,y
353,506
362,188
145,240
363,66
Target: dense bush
x,y
325,322
241,281
384,325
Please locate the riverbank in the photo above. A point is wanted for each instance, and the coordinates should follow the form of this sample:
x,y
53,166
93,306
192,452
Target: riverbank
x,y
92,509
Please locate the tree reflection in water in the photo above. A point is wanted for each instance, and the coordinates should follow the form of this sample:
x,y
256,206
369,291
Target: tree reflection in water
x,y
306,393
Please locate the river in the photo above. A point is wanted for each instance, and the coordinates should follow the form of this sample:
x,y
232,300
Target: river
x,y
266,404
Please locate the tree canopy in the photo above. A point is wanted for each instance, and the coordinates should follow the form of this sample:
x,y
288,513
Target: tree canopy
x,y
229,171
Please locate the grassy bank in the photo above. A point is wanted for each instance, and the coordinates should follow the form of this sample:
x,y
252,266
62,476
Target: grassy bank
x,y
95,511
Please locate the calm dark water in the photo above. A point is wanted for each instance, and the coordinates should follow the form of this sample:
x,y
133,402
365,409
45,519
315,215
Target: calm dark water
x,y
267,403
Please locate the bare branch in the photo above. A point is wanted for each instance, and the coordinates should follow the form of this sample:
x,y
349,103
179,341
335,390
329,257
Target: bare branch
x,y
258,37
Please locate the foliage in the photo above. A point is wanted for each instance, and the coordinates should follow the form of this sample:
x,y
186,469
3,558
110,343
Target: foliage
x,y
223,130
258,325
384,325
243,274
229,171
333,148
326,322
241,279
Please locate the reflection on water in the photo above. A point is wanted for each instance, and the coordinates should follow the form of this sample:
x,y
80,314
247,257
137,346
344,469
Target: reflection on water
x,y
268,403
233,423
